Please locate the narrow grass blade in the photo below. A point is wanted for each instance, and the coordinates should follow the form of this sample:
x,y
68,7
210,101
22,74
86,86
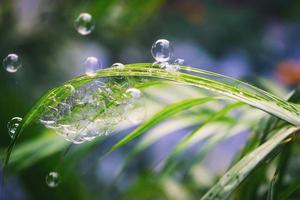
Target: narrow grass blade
x,y
157,118
231,179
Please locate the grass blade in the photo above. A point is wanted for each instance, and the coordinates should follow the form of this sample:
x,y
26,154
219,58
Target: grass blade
x,y
231,179
164,114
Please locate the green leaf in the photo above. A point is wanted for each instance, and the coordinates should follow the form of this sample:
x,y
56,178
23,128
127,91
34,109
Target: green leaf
x,y
222,85
157,118
232,178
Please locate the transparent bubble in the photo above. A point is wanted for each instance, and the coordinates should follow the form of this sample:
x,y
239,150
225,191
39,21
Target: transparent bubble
x,y
12,126
119,66
91,64
53,179
12,63
161,50
84,24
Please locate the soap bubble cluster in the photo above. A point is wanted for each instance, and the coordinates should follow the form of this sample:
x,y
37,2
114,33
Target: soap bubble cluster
x,y
94,109
162,51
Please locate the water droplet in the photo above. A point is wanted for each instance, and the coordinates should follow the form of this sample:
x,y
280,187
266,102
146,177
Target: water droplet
x,y
53,179
84,24
134,93
178,61
161,50
12,126
91,64
119,66
12,63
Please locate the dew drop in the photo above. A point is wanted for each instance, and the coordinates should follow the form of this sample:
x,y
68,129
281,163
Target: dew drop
x,y
12,63
91,65
53,179
84,24
12,126
119,66
161,50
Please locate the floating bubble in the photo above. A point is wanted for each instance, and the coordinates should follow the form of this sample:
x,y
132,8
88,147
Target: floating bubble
x,y
84,24
12,126
91,65
53,179
161,50
119,66
12,63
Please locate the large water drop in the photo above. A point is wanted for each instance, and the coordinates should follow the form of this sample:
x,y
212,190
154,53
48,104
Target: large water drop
x,y
91,64
84,24
161,50
92,110
53,179
12,63
12,126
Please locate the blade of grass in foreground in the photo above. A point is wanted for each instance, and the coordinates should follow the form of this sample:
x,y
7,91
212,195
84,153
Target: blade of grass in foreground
x,y
160,116
225,86
232,179
184,144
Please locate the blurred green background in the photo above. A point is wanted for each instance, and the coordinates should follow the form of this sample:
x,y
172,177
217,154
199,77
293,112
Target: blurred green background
x,y
249,40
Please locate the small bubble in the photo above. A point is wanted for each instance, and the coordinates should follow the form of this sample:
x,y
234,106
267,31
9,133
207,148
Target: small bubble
x,y
134,93
53,179
12,63
84,24
119,66
12,126
91,65
161,50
